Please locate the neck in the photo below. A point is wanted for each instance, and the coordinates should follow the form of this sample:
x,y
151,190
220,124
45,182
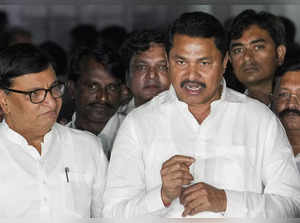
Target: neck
x,y
138,101
93,127
294,138
261,92
30,135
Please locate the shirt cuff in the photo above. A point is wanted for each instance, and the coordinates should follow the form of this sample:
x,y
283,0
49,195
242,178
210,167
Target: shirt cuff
x,y
153,199
235,204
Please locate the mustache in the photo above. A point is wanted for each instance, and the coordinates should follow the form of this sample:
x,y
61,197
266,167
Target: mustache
x,y
97,104
288,111
203,85
152,83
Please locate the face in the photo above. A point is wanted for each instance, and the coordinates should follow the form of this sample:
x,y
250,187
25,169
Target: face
x,y
96,93
196,69
287,100
255,57
21,114
148,74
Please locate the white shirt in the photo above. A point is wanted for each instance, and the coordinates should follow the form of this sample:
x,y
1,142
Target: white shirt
x,y
36,185
109,132
297,159
240,147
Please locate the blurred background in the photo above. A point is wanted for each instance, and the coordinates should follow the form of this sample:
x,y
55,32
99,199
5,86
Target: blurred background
x,y
54,19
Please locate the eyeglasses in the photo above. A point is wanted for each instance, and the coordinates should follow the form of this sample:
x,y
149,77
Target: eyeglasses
x,y
39,95
286,96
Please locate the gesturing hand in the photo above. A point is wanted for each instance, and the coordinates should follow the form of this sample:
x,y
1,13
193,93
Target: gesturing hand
x,y
175,173
202,197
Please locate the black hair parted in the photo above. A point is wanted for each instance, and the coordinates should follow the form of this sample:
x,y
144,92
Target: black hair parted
x,y
199,24
137,42
21,59
267,21
101,54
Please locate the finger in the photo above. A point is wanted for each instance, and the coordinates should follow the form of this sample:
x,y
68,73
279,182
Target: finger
x,y
174,167
200,208
193,188
188,160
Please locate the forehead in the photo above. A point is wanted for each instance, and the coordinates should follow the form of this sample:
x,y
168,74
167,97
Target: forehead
x,y
43,79
193,46
156,51
290,79
254,32
93,70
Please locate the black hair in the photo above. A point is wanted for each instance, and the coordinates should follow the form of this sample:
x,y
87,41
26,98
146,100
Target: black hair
x,y
101,54
267,21
199,24
21,59
137,42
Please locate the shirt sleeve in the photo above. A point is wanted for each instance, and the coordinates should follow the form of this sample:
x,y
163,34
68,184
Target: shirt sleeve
x,y
126,194
280,178
99,181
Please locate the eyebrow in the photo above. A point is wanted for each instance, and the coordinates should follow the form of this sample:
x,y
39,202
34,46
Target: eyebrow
x,y
261,40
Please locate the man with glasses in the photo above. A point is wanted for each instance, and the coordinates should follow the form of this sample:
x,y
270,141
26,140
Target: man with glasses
x,y
286,104
96,89
46,169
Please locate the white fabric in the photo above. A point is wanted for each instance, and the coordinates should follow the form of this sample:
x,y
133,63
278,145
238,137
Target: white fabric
x,y
109,132
35,185
240,147
297,158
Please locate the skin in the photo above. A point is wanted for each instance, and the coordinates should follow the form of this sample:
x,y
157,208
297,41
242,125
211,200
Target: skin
x,y
94,109
32,121
290,83
148,74
196,70
254,59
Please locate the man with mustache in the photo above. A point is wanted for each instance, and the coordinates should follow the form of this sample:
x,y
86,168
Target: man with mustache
x,y
144,58
256,49
47,170
287,104
95,85
201,149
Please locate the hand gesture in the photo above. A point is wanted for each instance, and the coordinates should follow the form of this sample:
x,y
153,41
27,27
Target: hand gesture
x,y
202,197
175,173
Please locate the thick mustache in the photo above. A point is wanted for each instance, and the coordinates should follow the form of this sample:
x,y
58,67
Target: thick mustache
x,y
289,111
249,66
151,84
203,85
96,104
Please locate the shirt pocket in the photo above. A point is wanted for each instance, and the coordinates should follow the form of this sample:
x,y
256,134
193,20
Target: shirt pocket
x,y
77,192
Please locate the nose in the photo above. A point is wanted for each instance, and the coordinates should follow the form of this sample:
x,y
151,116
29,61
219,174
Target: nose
x,y
293,101
50,100
102,95
193,71
152,73
248,54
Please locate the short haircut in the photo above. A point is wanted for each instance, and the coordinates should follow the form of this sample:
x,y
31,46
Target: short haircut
x,y
201,25
101,54
267,21
293,65
137,42
21,59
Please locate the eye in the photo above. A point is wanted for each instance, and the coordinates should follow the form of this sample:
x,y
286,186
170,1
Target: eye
x,y
259,47
283,94
237,50
141,67
204,63
163,67
113,87
180,61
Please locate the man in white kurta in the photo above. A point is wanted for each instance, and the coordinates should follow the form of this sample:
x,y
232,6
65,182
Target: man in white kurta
x,y
201,149
34,185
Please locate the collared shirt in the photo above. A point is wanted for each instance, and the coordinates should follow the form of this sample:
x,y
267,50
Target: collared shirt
x,y
240,147
297,158
66,180
109,132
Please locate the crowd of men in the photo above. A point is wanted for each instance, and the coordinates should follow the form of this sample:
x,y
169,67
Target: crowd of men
x,y
155,128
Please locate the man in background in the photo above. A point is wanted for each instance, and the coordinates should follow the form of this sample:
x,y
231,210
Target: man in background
x,y
256,49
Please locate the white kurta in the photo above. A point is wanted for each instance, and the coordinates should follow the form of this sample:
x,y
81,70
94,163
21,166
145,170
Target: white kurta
x,y
34,185
240,147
